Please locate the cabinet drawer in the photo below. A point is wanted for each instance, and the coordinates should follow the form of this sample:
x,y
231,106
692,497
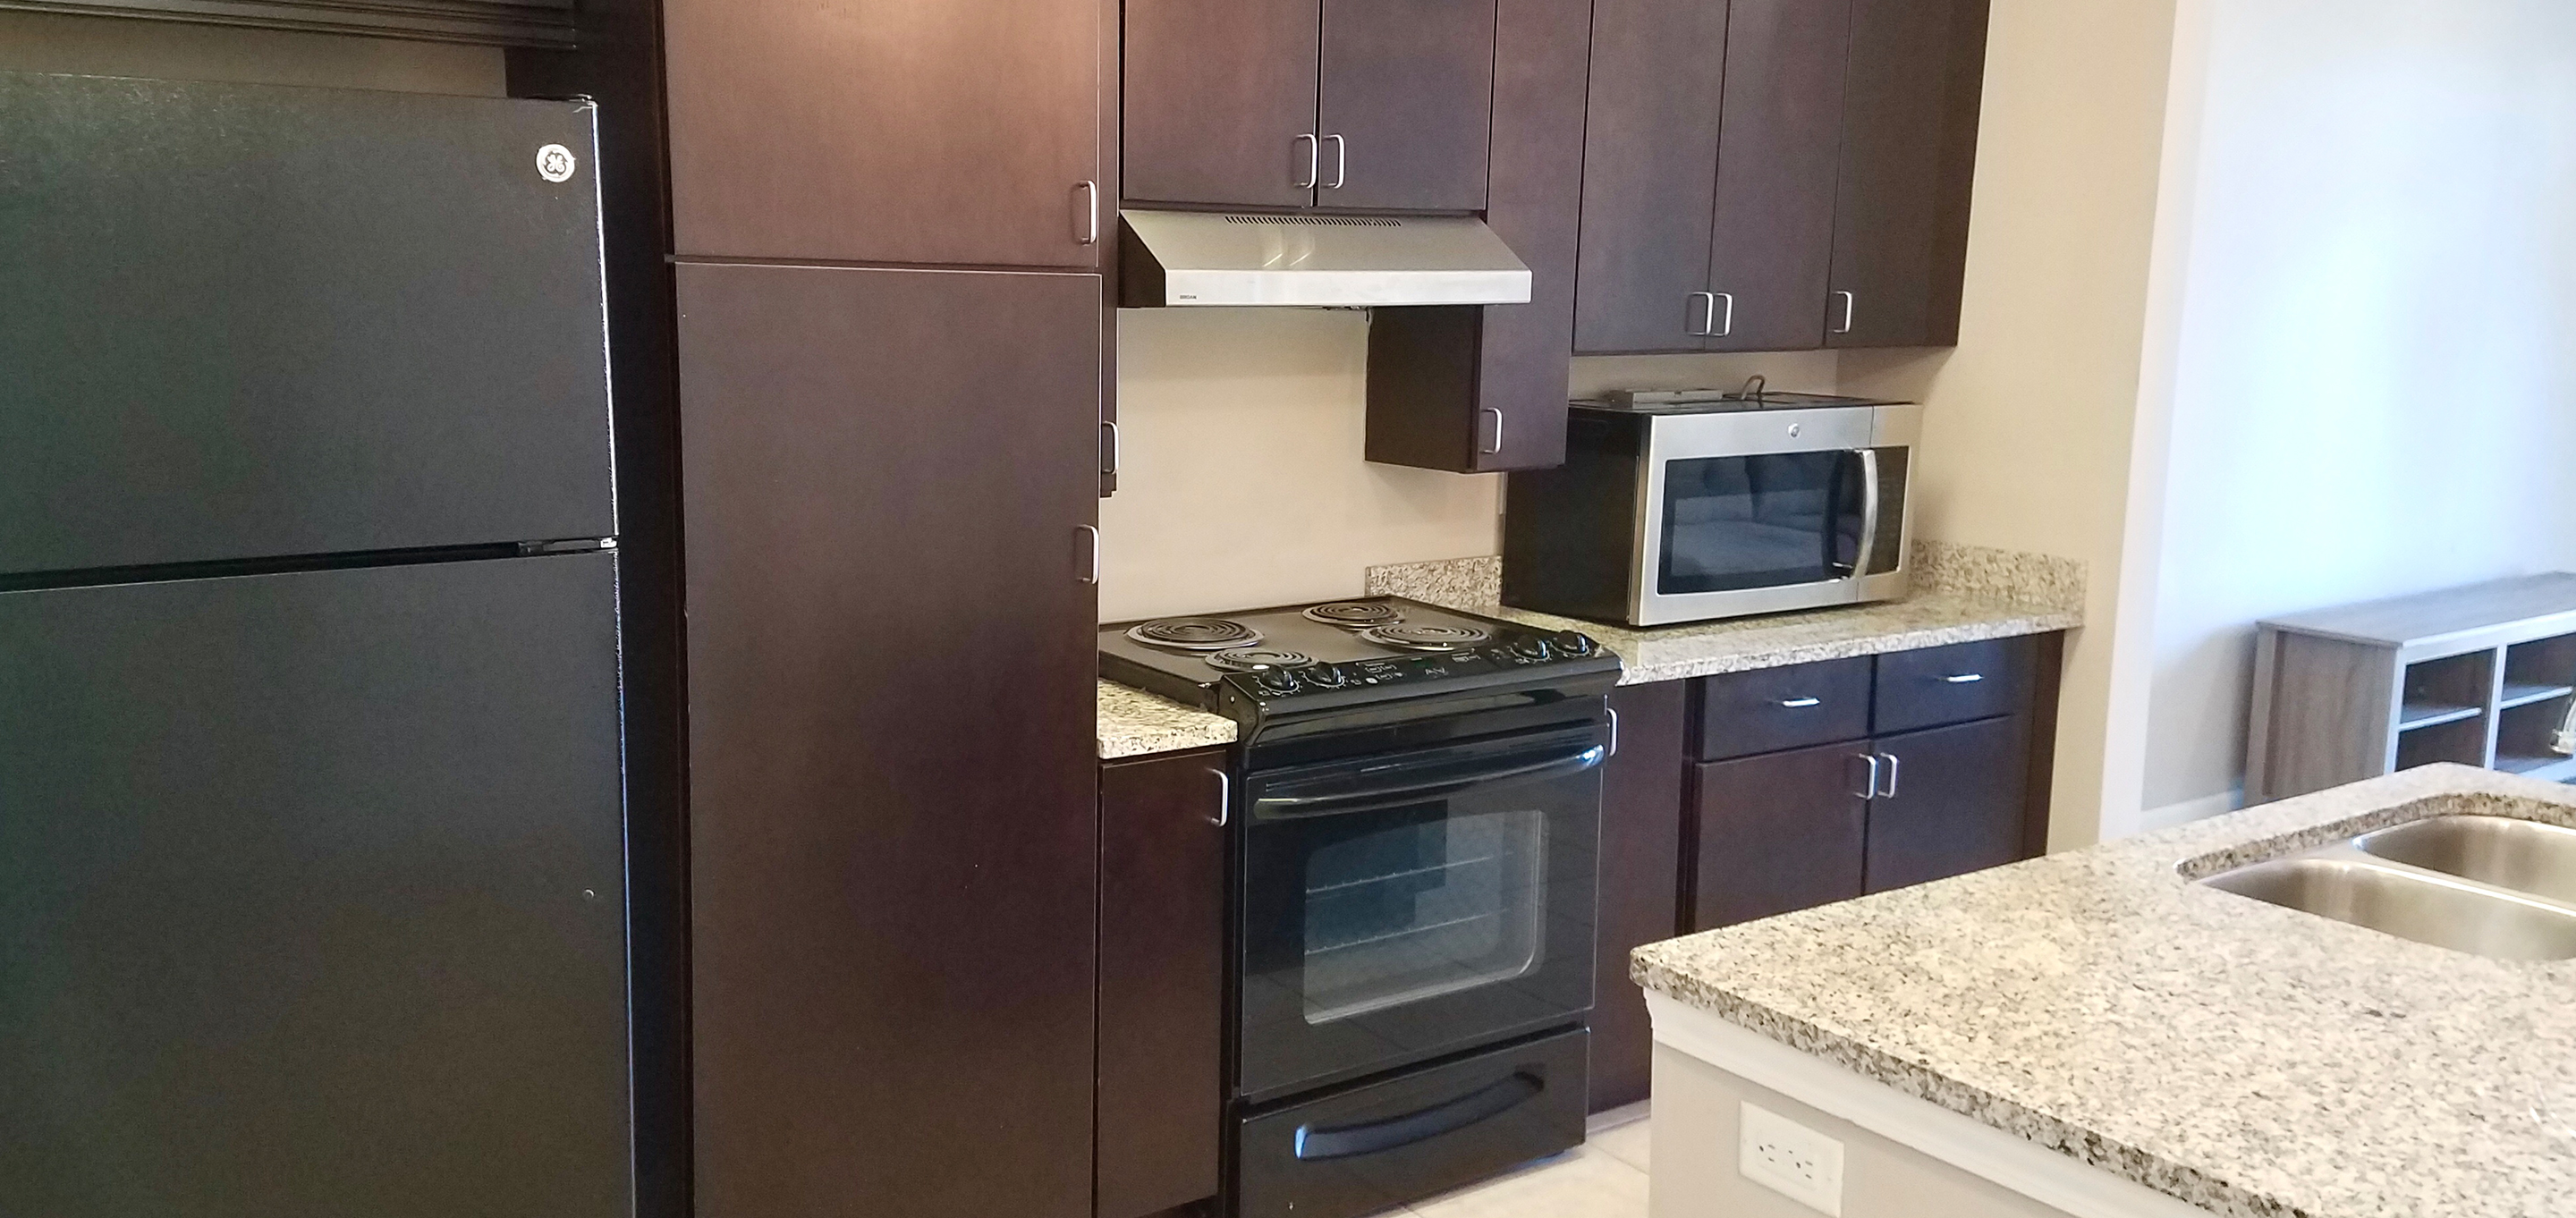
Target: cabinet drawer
x,y
1941,685
1744,713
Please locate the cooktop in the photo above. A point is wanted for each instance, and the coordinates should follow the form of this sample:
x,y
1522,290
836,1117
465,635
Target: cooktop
x,y
1265,663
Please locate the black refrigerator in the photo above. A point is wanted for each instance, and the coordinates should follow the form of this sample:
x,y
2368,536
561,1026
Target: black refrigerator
x,y
312,874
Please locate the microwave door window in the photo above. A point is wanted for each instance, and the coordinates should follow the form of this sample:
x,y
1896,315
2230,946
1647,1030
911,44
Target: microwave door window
x,y
1733,523
1420,906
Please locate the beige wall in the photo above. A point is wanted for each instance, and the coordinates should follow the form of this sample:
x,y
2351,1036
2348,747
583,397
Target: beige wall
x,y
171,50
2027,439
1244,483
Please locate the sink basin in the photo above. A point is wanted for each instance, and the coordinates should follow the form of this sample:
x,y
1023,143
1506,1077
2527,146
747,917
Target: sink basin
x,y
2410,904
2516,854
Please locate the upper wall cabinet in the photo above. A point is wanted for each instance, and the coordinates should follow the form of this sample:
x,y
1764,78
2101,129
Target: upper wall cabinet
x,y
1379,105
1777,174
835,130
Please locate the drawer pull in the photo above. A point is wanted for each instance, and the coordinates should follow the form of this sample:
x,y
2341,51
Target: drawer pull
x,y
1801,703
1965,678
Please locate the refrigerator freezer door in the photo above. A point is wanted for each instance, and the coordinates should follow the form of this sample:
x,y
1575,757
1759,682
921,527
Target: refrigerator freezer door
x,y
251,321
311,895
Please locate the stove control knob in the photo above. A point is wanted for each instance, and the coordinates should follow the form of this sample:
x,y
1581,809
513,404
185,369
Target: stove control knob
x,y
1532,648
1277,681
1575,644
1326,677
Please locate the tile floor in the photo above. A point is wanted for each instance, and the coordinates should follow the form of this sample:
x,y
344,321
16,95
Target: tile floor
x,y
1603,1178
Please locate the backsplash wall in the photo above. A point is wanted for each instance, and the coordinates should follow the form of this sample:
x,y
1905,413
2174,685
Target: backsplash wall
x,y
1244,484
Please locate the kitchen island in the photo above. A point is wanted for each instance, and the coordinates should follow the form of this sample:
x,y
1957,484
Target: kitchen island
x,y
2097,1033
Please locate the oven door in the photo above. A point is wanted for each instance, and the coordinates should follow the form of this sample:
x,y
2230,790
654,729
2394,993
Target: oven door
x,y
1400,906
1766,515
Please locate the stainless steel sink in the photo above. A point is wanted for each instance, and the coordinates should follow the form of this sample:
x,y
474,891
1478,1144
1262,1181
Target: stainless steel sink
x,y
2487,885
2517,854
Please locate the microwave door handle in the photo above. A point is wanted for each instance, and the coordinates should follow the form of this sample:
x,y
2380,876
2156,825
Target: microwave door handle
x,y
1872,501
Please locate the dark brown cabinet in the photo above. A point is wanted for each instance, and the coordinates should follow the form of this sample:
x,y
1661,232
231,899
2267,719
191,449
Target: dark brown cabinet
x,y
1361,104
1779,833
891,657
1912,99
1640,887
1778,174
1476,390
1942,768
1162,981
1709,180
965,132
1950,801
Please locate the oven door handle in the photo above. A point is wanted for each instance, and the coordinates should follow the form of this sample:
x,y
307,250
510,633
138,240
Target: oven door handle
x,y
1316,1142
1343,794
1871,504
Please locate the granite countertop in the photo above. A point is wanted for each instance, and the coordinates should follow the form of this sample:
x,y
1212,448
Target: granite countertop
x,y
2245,1058
1966,594
1134,723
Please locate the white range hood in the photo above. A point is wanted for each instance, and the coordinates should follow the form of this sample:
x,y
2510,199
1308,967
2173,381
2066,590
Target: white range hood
x,y
1203,259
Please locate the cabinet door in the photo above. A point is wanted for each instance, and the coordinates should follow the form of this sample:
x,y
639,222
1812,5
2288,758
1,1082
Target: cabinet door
x,y
1641,843
1162,981
884,131
891,662
1407,104
1911,97
1780,146
1951,802
1649,173
1779,833
1221,102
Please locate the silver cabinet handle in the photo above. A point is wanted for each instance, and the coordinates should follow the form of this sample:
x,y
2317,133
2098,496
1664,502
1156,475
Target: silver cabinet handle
x,y
1497,446
1707,302
1341,162
1965,678
1224,798
1727,326
1314,160
1092,575
1851,312
1801,703
1895,766
1614,732
1869,788
1114,455
1089,233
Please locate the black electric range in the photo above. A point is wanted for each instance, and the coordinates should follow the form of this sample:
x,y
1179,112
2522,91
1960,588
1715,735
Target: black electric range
x,y
1414,808
1303,662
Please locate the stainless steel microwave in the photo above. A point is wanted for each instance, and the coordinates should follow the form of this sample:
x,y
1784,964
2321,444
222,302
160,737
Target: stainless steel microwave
x,y
1686,508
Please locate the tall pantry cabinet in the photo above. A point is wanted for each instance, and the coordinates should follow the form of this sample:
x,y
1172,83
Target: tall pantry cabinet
x,y
886,225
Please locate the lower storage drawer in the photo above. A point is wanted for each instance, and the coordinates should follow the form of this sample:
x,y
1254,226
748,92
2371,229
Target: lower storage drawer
x,y
1382,1144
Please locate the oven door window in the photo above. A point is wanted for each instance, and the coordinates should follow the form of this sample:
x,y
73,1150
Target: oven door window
x,y
1426,906
1734,523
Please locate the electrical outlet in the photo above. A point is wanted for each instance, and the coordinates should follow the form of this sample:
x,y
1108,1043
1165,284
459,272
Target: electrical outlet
x,y
1790,1159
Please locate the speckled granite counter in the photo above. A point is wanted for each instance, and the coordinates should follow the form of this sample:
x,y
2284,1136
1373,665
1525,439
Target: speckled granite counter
x,y
1134,723
2248,1059
1968,594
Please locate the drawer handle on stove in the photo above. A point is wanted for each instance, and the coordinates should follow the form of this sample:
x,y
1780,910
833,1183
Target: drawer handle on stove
x,y
1801,703
1224,799
1316,1142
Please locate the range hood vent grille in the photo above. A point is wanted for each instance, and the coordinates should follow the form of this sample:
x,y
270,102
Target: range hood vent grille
x,y
1320,221
1201,259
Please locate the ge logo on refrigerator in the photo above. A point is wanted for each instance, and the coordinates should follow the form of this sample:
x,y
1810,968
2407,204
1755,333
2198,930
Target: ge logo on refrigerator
x,y
555,163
